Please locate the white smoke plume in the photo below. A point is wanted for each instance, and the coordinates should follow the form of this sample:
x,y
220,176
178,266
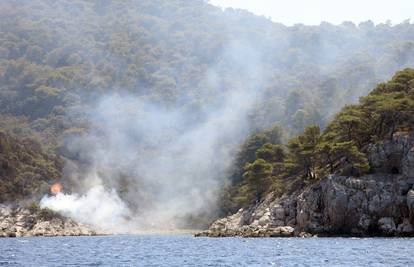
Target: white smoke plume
x,y
98,207
167,163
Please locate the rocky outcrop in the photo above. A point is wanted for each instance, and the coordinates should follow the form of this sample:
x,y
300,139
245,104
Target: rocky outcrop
x,y
18,222
370,205
394,156
379,204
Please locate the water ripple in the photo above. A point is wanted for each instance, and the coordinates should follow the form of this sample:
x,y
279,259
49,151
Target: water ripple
x,y
185,250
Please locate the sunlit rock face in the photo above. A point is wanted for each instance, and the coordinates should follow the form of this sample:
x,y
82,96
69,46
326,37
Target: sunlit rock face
x,y
17,222
378,204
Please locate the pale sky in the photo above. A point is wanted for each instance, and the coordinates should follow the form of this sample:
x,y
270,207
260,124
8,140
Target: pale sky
x,y
312,12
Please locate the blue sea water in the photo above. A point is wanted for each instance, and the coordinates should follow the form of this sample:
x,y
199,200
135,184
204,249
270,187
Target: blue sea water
x,y
185,250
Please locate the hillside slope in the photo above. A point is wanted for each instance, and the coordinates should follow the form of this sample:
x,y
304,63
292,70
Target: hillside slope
x,y
58,56
371,195
60,59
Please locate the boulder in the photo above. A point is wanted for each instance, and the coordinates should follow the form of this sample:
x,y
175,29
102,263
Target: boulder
x,y
364,222
387,225
405,228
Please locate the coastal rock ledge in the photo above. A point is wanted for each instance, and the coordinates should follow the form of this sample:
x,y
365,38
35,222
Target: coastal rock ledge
x,y
378,204
24,222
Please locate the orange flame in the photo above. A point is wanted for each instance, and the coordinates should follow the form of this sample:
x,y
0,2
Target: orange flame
x,y
56,188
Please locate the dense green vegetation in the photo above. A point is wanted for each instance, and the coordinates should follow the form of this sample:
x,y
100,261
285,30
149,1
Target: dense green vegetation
x,y
340,148
57,57
25,169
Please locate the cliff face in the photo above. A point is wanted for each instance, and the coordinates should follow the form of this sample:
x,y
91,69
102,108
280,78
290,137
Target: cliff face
x,y
379,204
17,222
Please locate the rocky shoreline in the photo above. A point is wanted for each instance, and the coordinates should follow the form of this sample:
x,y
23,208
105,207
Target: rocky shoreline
x,y
378,204
26,222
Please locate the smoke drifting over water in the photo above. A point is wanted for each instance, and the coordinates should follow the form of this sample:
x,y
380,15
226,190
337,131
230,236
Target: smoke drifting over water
x,y
165,163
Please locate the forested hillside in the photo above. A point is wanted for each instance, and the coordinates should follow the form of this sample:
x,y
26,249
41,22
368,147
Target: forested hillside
x,y
58,57
25,169
341,148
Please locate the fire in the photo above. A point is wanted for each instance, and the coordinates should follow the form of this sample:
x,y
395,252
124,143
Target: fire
x,y
56,188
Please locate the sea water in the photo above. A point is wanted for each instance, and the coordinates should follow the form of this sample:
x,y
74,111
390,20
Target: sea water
x,y
185,250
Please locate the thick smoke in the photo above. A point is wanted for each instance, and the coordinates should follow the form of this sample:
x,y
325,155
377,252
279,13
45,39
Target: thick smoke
x,y
156,157
98,207
166,163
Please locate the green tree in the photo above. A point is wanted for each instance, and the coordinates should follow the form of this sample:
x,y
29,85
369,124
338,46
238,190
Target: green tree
x,y
303,150
337,154
352,123
271,153
391,110
258,176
